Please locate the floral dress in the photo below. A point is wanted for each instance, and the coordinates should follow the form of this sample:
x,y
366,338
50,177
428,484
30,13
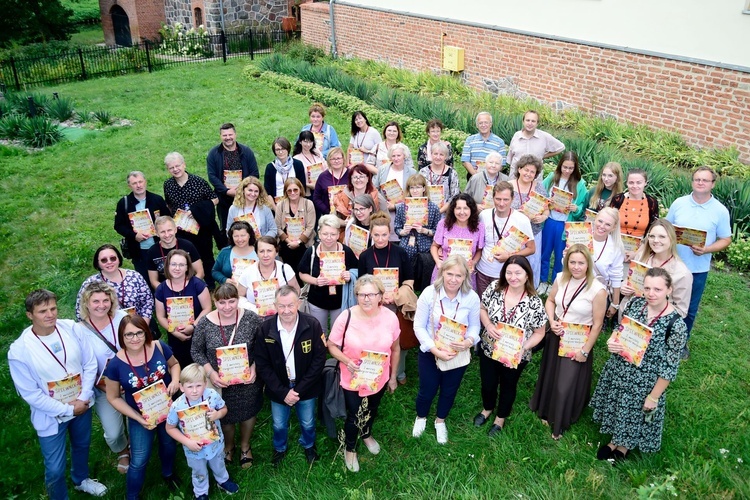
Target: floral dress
x,y
623,387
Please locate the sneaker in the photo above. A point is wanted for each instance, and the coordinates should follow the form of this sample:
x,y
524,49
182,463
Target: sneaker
x,y
92,487
311,454
442,432
350,458
372,446
419,426
229,486
278,457
202,497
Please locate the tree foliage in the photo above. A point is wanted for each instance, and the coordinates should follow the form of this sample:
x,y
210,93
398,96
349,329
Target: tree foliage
x,y
30,21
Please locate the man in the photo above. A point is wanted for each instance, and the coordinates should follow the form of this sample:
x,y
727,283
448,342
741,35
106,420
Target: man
x,y
532,141
229,156
192,195
290,355
700,210
166,230
478,146
498,223
54,370
139,199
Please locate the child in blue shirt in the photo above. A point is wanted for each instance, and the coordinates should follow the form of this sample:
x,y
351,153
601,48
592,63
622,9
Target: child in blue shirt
x,y
208,450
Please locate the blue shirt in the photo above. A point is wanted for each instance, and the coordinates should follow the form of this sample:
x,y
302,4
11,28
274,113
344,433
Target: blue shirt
x,y
712,217
330,138
477,149
158,369
215,402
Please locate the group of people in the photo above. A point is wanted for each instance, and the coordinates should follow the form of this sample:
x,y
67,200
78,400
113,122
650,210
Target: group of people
x,y
326,255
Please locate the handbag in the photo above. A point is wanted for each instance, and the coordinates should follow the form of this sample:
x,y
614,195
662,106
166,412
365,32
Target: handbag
x,y
304,304
124,245
333,394
407,340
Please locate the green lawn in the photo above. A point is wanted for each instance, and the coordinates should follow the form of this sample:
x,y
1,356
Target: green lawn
x,y
57,206
88,35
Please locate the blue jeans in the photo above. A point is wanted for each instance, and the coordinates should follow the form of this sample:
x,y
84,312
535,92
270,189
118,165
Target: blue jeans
x,y
53,452
552,240
431,379
141,442
699,284
281,412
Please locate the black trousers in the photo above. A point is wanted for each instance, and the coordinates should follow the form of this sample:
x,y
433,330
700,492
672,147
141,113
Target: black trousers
x,y
496,375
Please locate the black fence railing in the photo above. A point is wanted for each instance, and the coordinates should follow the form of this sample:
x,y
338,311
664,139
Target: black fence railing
x,y
85,63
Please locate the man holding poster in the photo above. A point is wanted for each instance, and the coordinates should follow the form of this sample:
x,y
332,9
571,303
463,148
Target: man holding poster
x,y
700,210
54,370
289,355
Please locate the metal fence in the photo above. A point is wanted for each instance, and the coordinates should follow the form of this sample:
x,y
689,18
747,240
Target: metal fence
x,y
85,63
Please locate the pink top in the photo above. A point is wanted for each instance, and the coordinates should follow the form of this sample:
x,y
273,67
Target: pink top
x,y
442,235
375,334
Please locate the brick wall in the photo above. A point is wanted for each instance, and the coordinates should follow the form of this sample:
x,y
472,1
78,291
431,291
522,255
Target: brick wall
x,y
707,105
145,18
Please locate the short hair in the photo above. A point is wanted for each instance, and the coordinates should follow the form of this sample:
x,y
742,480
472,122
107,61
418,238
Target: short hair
x,y
296,182
99,250
335,150
173,157
239,226
530,160
368,279
404,149
98,287
268,240
138,322
503,186
135,173
416,180
365,200
39,297
226,291
329,220
433,124
398,128
305,135
440,146
454,261
637,171
531,111
380,219
660,272
226,126
193,373
317,108
705,168
492,154
164,219
283,142
574,249
523,262
483,113
285,290
190,272
361,169
450,216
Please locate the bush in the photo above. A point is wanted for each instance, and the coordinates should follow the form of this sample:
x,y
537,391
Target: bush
x,y
39,132
19,102
60,109
10,126
84,11
176,41
738,254
103,118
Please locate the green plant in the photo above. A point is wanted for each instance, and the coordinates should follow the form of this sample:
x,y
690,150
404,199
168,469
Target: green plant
x,y
176,41
10,126
60,109
738,254
81,117
39,132
103,118
26,103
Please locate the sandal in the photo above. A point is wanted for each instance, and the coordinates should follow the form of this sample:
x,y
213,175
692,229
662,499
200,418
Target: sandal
x,y
246,459
228,456
121,467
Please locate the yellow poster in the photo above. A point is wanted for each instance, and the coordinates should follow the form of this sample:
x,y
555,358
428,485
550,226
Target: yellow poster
x,y
512,243
392,191
313,172
142,223
232,178
460,246
508,349
690,237
416,211
153,402
634,337
234,367
180,312
636,274
249,217
195,424
358,238
371,366
65,390
185,221
535,205
332,264
561,199
579,232
264,293
388,276
574,338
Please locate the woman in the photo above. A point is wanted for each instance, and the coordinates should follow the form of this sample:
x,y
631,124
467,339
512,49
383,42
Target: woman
x,y
230,325
282,168
510,300
365,327
660,250
363,141
181,283
461,222
132,291
100,320
324,134
306,152
424,154
633,413
141,362
417,238
564,383
607,186
238,256
295,218
441,364
333,179
440,176
381,152
397,170
360,182
267,268
480,186
637,209
608,255
567,176
528,168
251,198
362,212
326,294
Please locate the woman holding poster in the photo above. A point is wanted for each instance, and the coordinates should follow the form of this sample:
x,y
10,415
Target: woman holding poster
x,y
391,179
460,233
181,300
442,179
638,210
295,218
360,183
259,282
357,232
224,344
145,370
305,150
238,256
608,255
575,308
513,317
253,205
646,353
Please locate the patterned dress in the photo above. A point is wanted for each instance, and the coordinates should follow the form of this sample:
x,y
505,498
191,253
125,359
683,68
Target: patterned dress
x,y
623,387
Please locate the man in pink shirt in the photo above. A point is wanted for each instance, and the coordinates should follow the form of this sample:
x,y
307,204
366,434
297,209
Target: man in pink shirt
x,y
532,141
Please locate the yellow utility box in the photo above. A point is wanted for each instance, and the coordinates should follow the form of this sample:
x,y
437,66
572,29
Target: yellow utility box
x,y
453,58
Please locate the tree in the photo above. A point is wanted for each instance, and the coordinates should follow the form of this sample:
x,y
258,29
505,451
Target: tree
x,y
29,21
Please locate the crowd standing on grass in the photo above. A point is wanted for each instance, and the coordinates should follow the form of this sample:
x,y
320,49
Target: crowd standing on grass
x,y
359,255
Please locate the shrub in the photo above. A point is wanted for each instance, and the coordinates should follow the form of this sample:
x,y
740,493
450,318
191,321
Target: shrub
x,y
21,102
60,109
738,254
103,118
39,132
298,50
81,117
10,126
177,41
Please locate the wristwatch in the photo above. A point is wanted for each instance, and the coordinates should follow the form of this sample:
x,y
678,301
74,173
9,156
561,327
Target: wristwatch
x,y
585,354
616,306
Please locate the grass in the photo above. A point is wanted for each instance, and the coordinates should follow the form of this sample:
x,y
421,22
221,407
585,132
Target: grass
x,y
88,35
57,206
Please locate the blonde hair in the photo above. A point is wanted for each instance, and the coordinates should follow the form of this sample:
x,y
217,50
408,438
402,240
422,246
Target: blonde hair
x,y
193,373
616,169
98,287
645,252
368,279
615,234
567,275
454,261
239,196
329,220
380,219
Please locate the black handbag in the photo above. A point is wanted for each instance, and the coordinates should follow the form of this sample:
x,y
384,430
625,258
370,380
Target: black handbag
x,y
333,406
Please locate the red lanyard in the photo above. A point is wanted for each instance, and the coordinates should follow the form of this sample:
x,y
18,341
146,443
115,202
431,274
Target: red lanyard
x,y
653,321
65,352
335,180
438,181
455,313
364,136
221,327
663,263
311,162
602,250
387,259
575,294
111,326
252,210
528,195
500,233
142,382
513,309
184,285
176,246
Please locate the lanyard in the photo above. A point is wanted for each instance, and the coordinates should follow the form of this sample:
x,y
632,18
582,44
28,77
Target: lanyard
x,y
663,263
273,274
142,382
518,189
335,180
184,285
653,321
188,401
65,351
176,246
111,326
500,233
387,259
221,327
487,179
119,288
601,251
575,294
455,313
439,177
512,309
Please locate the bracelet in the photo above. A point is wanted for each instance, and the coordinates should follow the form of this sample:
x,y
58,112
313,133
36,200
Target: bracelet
x,y
652,399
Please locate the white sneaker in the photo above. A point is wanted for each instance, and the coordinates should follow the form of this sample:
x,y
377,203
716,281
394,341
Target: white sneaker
x,y
92,487
351,462
419,426
372,446
442,432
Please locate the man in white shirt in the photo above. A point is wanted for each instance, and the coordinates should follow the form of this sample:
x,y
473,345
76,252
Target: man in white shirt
x,y
532,141
54,370
502,222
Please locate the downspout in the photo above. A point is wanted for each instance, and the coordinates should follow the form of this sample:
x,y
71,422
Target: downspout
x,y
333,29
221,11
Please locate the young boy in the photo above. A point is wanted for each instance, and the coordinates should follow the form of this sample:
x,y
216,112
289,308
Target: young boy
x,y
200,432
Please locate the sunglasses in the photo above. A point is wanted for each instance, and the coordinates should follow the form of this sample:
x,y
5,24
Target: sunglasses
x,y
104,260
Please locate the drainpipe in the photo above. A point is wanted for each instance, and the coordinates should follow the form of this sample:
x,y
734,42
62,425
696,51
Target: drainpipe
x,y
333,29
221,11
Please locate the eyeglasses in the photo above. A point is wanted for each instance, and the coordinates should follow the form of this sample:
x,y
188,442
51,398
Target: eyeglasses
x,y
177,265
132,335
104,260
359,177
292,190
336,159
360,209
368,296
